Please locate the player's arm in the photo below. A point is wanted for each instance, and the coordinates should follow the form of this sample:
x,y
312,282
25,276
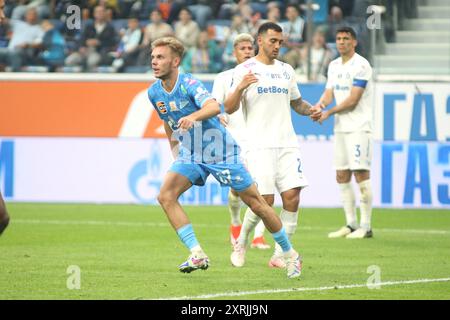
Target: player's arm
x,y
326,98
347,105
173,142
233,99
304,108
209,109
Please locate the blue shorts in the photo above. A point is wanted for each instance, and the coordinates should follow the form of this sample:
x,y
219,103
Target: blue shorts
x,y
233,175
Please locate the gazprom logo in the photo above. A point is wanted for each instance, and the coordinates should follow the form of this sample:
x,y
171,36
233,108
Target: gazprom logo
x,y
144,179
272,89
7,167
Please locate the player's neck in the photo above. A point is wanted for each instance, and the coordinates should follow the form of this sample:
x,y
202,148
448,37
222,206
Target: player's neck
x,y
169,83
347,57
264,59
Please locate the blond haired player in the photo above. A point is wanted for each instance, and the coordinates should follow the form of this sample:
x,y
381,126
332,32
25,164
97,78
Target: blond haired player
x,y
350,83
235,123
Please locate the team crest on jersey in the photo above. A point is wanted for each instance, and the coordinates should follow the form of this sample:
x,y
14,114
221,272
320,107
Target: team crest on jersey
x,y
161,107
173,106
286,75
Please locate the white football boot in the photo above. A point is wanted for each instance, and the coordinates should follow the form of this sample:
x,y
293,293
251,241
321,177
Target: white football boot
x,y
342,232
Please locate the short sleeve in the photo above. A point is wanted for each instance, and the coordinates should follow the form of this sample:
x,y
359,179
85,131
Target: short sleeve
x,y
329,84
197,92
362,76
237,78
295,91
218,90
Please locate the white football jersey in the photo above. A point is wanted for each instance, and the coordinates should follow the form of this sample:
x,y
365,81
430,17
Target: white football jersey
x,y
266,104
236,124
341,78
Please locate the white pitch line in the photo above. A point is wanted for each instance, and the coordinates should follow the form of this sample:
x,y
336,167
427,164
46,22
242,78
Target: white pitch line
x,y
273,291
199,225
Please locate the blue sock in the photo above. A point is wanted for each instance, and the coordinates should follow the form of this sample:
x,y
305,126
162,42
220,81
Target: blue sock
x,y
187,236
282,239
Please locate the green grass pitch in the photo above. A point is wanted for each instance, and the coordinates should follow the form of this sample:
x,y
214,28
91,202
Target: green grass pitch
x,y
131,252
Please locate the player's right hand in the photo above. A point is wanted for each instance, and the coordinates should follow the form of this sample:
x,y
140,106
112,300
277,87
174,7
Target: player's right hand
x,y
248,80
223,120
186,123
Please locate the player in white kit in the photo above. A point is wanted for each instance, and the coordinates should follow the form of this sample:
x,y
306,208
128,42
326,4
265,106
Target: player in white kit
x,y
350,83
266,90
243,50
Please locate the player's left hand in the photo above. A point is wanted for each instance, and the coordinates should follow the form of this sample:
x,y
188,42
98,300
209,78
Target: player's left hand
x,y
186,123
324,116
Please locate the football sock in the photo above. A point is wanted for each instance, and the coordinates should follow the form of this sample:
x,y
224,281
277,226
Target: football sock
x,y
234,207
289,220
348,201
365,205
250,222
187,236
259,230
282,239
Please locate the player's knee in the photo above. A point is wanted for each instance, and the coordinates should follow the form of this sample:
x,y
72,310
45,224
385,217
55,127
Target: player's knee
x,y
258,207
164,198
292,202
343,176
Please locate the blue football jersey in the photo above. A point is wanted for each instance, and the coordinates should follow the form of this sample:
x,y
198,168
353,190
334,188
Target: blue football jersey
x,y
208,141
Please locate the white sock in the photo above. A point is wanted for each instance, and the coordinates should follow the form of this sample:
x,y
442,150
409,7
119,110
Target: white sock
x,y
348,201
365,205
234,207
250,222
197,250
289,220
259,230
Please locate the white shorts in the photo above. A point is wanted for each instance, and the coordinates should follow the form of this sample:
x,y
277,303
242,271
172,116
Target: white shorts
x,y
276,169
352,150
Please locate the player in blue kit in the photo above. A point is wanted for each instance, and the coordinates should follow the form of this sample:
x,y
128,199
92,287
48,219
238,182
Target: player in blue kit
x,y
201,146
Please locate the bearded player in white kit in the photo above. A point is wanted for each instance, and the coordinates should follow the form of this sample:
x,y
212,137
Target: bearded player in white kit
x,y
350,83
235,123
266,90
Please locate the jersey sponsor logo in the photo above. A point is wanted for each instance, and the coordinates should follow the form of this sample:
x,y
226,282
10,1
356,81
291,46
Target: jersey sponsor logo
x,y
342,88
272,89
250,64
161,107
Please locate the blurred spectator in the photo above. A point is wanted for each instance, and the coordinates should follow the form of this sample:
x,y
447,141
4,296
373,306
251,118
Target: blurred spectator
x,y
128,49
346,6
52,52
294,33
42,8
335,21
155,30
233,7
321,56
201,11
187,30
238,26
204,57
97,40
273,14
26,38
